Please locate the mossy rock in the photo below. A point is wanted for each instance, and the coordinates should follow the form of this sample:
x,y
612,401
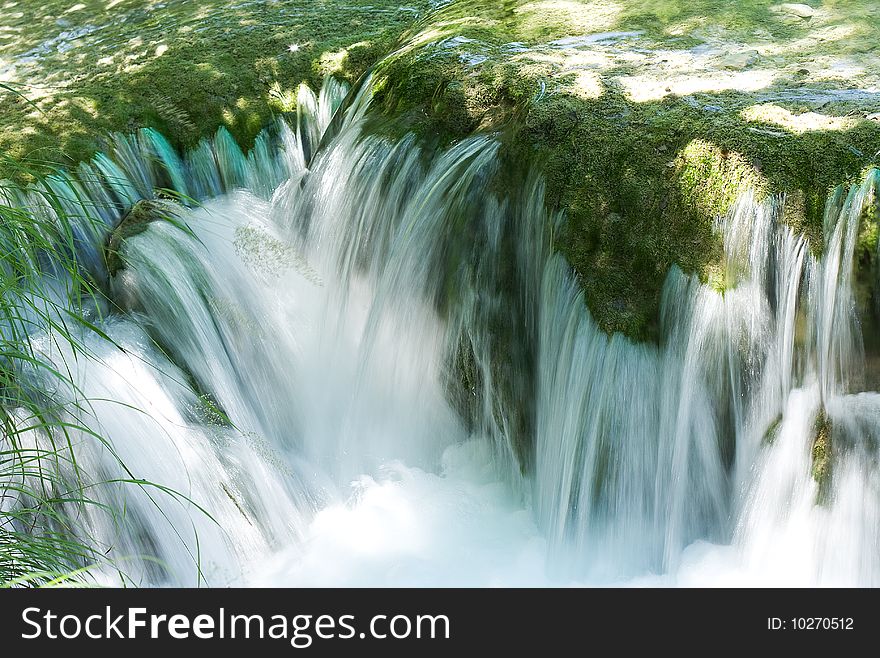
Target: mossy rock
x,y
865,288
141,215
772,431
821,454
643,125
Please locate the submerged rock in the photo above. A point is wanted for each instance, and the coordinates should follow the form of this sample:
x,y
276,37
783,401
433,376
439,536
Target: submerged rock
x,y
821,454
772,431
136,221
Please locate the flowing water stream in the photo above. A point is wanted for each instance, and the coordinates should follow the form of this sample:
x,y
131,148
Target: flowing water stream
x,y
353,363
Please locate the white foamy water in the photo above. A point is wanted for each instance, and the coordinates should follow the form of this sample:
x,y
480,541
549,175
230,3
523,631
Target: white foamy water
x,y
406,527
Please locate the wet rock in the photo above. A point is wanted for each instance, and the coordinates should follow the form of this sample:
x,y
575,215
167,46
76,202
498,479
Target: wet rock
x,y
798,9
772,431
821,454
740,60
136,221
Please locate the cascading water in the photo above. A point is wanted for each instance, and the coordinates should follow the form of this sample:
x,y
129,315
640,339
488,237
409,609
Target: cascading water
x,y
351,364
709,438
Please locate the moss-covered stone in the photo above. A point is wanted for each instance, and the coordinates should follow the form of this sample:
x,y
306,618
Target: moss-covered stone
x,y
644,127
866,288
772,431
821,454
135,221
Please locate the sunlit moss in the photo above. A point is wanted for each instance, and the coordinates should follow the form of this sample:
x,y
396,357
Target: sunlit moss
x,y
280,99
643,180
771,113
711,178
331,63
542,19
176,66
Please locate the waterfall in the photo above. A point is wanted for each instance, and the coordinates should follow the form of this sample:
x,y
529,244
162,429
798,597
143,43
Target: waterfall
x,y
644,452
342,359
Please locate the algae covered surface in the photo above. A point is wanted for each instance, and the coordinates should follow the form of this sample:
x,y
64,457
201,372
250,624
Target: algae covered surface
x,y
649,117
74,70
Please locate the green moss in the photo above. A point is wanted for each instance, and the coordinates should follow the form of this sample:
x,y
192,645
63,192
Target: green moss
x,y
869,231
182,67
865,288
711,178
642,182
821,454
136,221
772,431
